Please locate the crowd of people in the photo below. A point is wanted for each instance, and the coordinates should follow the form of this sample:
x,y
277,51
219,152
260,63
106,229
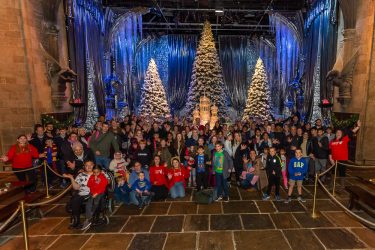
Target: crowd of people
x,y
153,161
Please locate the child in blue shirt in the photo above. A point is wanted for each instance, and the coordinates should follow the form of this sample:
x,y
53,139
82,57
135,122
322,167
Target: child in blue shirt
x,y
297,169
202,168
142,187
122,190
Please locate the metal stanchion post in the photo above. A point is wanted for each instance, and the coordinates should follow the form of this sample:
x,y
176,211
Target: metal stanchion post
x,y
25,234
314,215
46,180
334,180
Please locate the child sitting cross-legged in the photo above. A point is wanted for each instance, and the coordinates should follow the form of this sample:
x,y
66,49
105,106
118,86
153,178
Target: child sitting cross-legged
x,y
142,187
122,190
98,185
297,169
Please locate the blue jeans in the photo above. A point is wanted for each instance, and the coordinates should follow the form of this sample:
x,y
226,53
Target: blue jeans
x,y
133,198
142,199
221,185
178,190
247,182
307,159
102,161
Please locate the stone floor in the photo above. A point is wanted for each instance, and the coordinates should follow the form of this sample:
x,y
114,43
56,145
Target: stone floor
x,y
246,222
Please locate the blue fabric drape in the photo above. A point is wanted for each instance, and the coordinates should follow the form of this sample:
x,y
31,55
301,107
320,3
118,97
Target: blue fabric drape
x,y
267,53
234,61
181,56
123,44
287,56
86,32
320,36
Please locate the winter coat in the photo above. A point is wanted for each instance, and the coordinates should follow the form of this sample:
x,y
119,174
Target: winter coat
x,y
103,144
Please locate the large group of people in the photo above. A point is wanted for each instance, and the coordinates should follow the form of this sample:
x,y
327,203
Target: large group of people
x,y
153,161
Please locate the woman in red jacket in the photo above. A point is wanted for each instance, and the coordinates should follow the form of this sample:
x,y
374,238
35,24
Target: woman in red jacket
x,y
177,176
158,173
340,148
22,154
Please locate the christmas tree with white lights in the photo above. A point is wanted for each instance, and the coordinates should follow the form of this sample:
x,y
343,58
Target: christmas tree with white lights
x,y
153,102
207,78
258,95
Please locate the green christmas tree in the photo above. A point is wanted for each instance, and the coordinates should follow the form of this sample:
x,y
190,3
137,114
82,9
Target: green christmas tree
x,y
207,78
258,95
153,102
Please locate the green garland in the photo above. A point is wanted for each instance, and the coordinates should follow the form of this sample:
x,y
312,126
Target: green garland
x,y
56,123
343,124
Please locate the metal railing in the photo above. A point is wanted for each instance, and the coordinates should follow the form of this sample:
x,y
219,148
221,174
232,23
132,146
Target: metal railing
x,y
332,196
22,204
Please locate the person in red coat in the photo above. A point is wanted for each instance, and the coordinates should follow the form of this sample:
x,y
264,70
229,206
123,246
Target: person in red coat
x,y
158,179
98,186
21,155
177,176
340,149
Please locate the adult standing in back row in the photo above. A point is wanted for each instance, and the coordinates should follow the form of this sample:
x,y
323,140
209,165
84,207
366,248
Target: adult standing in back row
x,y
100,144
320,150
340,149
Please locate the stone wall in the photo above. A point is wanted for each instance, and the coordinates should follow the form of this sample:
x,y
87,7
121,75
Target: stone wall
x,y
363,89
365,74
25,91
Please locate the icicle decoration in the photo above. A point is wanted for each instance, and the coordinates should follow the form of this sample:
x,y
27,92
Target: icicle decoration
x,y
317,112
92,110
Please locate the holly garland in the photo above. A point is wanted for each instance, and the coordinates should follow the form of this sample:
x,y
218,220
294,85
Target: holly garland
x,y
346,123
56,123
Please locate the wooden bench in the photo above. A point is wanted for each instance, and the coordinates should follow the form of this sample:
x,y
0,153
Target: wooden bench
x,y
362,199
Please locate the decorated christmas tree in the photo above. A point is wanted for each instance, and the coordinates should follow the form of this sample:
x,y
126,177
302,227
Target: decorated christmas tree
x,y
258,95
207,78
153,98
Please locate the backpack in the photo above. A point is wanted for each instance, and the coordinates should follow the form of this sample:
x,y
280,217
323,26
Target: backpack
x,y
204,196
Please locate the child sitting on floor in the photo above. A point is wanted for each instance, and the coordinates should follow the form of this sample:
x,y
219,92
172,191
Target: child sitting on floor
x,y
142,187
122,190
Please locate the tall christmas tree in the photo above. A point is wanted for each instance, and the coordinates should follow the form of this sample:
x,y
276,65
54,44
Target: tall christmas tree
x,y
207,78
153,98
258,95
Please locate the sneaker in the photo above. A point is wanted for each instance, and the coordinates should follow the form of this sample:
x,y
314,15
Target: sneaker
x,y
86,225
226,199
277,198
266,197
301,199
219,198
288,200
